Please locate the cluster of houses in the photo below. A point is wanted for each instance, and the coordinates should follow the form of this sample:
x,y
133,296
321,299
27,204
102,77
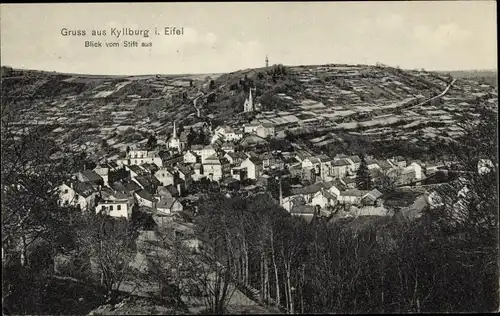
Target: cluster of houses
x,y
142,178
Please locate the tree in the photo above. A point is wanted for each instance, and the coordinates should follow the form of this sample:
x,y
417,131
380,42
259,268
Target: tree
x,y
110,244
388,181
363,178
152,141
31,213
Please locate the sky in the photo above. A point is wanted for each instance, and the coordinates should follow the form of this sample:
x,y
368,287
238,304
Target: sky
x,y
224,37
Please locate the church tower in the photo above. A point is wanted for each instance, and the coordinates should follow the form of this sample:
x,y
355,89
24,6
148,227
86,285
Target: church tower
x,y
248,106
267,62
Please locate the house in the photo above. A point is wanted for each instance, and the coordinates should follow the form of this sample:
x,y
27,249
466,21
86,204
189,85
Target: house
x,y
166,176
301,155
239,173
398,161
349,182
140,157
484,166
272,161
135,171
227,147
251,128
265,130
126,186
253,167
80,194
312,163
144,198
308,192
235,158
169,205
289,202
150,168
204,152
227,133
340,168
373,198
103,172
355,162
351,196
185,173
417,169
173,160
323,198
252,141
325,166
190,157
372,164
216,168
147,182
115,208
90,176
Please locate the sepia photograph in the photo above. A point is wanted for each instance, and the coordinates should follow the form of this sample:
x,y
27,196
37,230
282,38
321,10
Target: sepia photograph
x,y
222,158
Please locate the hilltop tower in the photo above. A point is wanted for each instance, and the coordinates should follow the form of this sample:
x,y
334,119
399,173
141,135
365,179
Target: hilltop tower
x,y
267,61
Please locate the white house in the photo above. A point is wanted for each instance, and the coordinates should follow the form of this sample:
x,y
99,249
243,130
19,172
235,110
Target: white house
x,y
265,130
417,168
115,208
203,152
235,158
251,128
323,198
253,166
136,171
169,205
140,157
216,168
165,176
372,164
351,196
355,162
340,168
485,166
325,166
290,201
103,172
227,133
190,157
144,198
77,194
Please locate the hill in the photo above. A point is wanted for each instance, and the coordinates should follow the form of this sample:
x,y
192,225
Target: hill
x,y
484,76
320,104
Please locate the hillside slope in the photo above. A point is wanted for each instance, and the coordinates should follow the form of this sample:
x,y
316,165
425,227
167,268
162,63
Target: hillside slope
x,y
319,103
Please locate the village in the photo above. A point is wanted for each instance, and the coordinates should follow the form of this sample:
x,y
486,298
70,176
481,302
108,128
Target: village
x,y
238,161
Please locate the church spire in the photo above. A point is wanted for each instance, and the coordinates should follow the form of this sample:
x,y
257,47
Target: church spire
x,y
267,61
175,131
